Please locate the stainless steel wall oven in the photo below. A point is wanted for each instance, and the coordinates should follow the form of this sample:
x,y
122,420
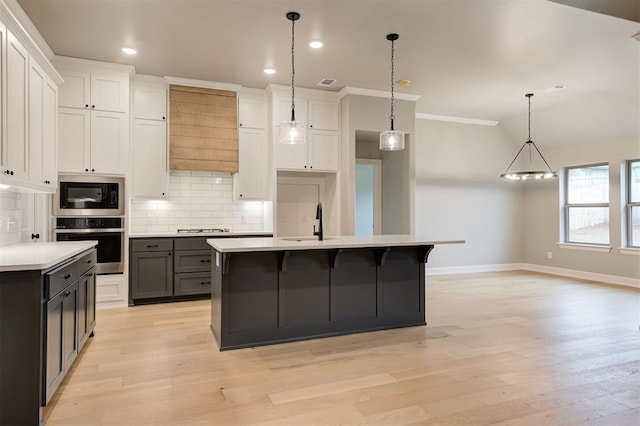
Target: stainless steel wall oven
x,y
108,231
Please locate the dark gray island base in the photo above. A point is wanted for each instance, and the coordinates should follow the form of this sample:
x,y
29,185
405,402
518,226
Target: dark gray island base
x,y
276,295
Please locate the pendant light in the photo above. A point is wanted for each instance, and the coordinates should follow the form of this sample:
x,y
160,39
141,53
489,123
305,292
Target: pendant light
x,y
392,140
293,132
529,174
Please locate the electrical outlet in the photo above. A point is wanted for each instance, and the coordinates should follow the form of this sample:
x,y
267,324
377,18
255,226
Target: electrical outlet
x,y
549,255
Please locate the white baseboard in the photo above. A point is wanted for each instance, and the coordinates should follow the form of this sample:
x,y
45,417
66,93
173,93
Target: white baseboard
x,y
474,269
111,305
583,275
572,273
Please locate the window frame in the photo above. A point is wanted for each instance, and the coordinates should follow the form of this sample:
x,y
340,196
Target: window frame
x,y
629,205
567,206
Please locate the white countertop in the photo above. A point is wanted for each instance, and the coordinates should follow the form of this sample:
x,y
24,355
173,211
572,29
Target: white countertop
x,y
199,234
40,255
231,245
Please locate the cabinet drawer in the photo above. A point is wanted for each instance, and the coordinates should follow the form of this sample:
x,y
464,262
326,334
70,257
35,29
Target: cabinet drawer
x,y
152,244
190,243
87,262
60,278
194,283
193,261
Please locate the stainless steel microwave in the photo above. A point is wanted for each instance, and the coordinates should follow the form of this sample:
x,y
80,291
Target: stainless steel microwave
x,y
89,196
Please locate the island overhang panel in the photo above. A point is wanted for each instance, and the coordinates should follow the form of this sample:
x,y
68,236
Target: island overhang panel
x,y
271,290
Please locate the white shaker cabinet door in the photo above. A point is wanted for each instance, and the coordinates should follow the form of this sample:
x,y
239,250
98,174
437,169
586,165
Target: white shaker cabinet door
x,y
149,161
108,142
36,117
150,103
323,115
74,92
109,92
323,150
15,148
74,154
251,180
50,133
252,113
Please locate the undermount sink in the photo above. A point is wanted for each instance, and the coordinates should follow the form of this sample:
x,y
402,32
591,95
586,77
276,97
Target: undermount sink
x,y
300,239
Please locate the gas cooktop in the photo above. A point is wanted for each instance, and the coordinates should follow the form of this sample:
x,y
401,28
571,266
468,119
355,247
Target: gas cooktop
x,y
203,231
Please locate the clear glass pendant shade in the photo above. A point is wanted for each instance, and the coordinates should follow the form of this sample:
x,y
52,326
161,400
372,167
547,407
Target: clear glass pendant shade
x,y
392,140
292,133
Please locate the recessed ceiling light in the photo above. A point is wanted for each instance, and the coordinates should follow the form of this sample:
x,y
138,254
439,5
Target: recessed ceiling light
x,y
129,50
269,71
316,44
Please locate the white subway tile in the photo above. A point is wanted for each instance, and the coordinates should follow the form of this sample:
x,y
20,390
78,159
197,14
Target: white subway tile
x,y
180,173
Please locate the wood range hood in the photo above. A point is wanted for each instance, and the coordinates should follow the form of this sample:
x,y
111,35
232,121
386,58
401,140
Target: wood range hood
x,y
203,129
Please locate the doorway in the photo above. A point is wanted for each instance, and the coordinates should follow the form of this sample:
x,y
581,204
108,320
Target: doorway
x,y
368,197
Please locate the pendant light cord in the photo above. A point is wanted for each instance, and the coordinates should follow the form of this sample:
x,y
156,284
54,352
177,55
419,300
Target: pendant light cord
x,y
529,96
392,117
293,72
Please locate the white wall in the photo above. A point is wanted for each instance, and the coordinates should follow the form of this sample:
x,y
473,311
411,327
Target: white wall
x,y
542,211
371,114
197,200
459,194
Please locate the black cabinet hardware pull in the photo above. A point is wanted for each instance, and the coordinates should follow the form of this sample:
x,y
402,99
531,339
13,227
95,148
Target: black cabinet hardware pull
x,y
66,277
89,261
35,236
67,294
205,261
152,245
86,105
89,275
205,282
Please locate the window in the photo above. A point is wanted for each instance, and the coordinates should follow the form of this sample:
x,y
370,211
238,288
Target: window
x,y
633,203
587,204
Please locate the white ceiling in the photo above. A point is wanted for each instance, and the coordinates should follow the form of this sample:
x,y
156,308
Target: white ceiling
x,y
466,58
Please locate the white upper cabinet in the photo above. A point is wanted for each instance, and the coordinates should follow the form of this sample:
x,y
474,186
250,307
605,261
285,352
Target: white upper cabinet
x,y
93,119
252,180
149,150
150,103
321,152
15,153
28,113
252,113
96,91
43,103
323,115
149,159
92,141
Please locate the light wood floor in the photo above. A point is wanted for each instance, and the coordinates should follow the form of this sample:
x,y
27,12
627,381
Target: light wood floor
x,y
509,348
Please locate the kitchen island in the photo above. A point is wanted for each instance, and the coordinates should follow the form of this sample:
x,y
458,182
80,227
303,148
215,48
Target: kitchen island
x,y
273,290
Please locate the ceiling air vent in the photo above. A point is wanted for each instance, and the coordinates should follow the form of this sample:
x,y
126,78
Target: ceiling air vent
x,y
327,82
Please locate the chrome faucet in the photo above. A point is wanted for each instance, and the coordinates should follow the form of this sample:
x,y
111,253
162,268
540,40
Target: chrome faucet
x,y
319,232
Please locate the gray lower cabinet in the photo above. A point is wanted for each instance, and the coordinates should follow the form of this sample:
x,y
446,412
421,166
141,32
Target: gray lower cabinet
x,y
41,330
69,319
62,337
151,274
86,306
166,269
192,283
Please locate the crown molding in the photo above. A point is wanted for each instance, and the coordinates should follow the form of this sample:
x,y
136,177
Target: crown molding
x,y
78,64
347,90
452,119
179,81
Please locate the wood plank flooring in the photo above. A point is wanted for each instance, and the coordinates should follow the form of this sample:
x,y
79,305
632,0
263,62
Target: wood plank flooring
x,y
512,348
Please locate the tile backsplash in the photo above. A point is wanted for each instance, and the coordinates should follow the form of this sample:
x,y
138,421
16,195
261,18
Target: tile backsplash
x,y
10,215
198,200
